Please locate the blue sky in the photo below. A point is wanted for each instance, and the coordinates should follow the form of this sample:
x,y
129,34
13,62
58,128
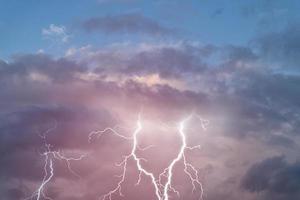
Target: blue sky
x,y
208,22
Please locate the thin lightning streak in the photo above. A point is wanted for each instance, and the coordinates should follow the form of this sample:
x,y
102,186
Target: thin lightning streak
x,y
58,155
50,157
45,179
161,190
99,133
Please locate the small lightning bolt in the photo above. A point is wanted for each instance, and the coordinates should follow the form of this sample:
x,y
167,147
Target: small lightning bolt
x,y
161,189
49,157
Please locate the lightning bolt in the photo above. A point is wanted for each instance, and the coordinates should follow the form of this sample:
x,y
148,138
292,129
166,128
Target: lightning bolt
x,y
50,156
168,172
124,162
161,189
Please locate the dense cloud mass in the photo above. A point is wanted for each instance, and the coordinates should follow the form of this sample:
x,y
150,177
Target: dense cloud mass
x,y
249,93
253,113
274,178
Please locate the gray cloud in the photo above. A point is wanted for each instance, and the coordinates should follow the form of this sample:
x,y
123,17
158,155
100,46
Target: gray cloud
x,y
165,60
24,66
243,101
275,178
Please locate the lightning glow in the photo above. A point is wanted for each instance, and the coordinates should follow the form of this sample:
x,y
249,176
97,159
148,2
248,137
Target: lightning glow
x,y
161,188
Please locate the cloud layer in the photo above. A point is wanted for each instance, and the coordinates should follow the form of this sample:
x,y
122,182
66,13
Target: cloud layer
x,y
253,111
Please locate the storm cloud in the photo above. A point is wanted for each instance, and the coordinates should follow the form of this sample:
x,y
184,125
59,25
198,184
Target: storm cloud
x,y
248,91
274,178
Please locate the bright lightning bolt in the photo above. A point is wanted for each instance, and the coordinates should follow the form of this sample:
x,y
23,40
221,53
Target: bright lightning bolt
x,y
161,189
168,172
124,163
50,157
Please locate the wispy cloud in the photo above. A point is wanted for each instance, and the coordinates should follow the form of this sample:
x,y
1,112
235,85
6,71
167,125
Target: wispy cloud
x,y
56,32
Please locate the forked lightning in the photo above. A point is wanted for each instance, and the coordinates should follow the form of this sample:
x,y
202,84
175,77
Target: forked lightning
x,y
162,188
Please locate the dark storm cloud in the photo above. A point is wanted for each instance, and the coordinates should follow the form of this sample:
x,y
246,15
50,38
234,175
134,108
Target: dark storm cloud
x,y
282,141
249,90
269,104
13,194
20,140
166,61
250,100
31,106
274,178
62,75
264,103
60,69
125,23
259,176
20,129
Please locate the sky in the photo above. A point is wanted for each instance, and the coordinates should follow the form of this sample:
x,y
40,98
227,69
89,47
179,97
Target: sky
x,y
98,98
